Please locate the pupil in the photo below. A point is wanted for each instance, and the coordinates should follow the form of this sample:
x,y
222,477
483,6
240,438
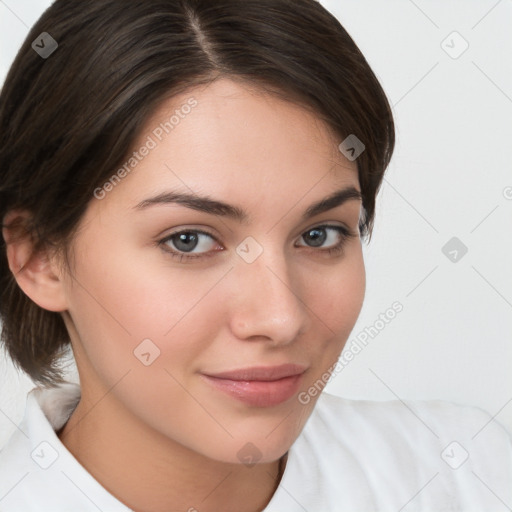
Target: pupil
x,y
318,237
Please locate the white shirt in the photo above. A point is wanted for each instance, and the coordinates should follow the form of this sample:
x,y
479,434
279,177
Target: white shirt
x,y
352,456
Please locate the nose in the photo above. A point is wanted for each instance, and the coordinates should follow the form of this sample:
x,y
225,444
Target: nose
x,y
267,304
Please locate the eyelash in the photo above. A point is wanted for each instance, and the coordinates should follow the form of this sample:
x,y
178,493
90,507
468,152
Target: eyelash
x,y
344,233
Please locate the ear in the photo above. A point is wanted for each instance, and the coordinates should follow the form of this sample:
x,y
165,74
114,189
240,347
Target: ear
x,y
39,274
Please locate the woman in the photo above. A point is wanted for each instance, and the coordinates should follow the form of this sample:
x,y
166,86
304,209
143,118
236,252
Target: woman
x,y
185,186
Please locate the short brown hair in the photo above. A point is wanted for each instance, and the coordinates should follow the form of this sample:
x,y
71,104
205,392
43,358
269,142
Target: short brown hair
x,y
68,120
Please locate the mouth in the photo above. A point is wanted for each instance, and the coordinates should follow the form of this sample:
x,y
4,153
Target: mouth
x,y
259,386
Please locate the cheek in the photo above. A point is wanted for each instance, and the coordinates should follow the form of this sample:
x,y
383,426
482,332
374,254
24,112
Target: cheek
x,y
336,298
118,301
352,286
338,294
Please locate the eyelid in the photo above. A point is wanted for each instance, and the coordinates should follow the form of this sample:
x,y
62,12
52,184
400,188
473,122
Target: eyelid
x,y
186,229
200,231
328,224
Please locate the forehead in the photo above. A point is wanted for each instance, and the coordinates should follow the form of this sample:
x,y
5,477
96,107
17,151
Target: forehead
x,y
232,140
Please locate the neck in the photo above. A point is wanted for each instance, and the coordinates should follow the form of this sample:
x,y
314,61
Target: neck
x,y
151,473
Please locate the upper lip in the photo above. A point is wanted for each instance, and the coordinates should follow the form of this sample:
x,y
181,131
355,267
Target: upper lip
x,y
261,373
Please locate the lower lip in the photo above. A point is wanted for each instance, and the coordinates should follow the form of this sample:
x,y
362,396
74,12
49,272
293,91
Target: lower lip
x,y
258,393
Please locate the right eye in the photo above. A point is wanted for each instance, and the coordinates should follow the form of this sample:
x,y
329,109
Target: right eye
x,y
181,244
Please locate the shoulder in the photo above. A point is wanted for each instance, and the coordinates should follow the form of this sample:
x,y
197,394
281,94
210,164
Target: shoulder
x,y
438,417
408,424
37,472
457,454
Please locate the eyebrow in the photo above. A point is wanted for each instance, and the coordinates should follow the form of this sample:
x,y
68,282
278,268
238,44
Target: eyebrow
x,y
214,207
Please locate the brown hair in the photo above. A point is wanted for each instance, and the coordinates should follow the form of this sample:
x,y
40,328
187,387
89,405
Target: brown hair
x,y
68,120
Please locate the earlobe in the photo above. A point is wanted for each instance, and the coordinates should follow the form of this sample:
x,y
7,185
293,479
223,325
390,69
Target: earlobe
x,y
37,274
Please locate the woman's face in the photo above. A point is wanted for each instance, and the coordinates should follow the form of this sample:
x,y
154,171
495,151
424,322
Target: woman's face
x,y
185,311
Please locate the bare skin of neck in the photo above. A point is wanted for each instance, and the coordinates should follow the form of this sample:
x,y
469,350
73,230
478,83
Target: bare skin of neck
x,y
149,473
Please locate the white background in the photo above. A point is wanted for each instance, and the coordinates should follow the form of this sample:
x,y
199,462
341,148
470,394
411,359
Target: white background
x,y
448,178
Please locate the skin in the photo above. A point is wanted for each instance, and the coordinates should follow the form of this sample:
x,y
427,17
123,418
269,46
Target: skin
x,y
139,428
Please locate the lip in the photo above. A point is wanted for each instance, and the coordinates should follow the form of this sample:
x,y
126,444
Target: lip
x,y
261,386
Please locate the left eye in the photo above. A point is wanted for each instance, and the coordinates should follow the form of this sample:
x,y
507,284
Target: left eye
x,y
319,235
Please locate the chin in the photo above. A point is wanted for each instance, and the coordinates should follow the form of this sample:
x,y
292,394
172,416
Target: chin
x,y
263,443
